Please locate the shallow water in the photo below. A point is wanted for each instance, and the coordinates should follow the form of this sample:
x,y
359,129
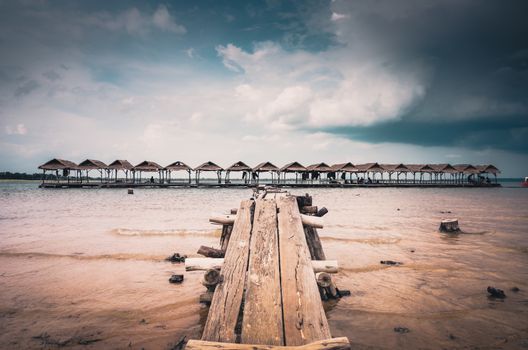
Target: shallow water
x,y
83,265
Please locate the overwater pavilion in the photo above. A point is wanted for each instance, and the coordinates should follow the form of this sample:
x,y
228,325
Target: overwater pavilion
x,y
488,169
395,168
466,170
148,166
91,164
265,167
119,164
293,167
370,168
65,166
343,169
177,166
317,169
239,167
208,166
440,170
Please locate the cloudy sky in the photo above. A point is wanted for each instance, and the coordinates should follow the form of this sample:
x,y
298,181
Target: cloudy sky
x,y
361,81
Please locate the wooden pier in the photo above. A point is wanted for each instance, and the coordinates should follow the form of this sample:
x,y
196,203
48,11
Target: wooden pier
x,y
266,293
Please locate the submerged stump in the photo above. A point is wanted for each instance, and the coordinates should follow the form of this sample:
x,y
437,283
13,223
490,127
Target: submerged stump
x,y
449,226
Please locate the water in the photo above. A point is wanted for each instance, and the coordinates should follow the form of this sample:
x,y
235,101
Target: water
x,y
82,265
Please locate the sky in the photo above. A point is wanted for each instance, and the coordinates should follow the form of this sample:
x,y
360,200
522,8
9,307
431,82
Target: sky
x,y
407,81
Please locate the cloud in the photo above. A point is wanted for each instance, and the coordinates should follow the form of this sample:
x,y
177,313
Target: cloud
x,y
26,88
19,129
338,16
163,20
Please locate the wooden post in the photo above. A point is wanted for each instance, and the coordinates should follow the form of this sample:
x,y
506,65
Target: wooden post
x,y
314,243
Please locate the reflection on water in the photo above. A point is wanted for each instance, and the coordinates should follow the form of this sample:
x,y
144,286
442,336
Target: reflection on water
x,y
87,266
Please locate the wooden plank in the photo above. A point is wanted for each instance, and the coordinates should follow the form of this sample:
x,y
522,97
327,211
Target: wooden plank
x,y
327,344
202,264
304,317
262,320
225,306
314,243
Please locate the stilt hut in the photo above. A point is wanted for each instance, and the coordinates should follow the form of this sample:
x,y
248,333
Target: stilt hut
x,y
120,164
294,168
421,169
177,166
208,166
440,170
368,170
240,167
62,165
321,168
91,164
465,172
342,169
395,168
488,169
264,168
148,167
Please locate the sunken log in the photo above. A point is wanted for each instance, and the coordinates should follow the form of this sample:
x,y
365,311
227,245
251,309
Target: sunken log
x,y
314,243
211,252
202,264
309,209
449,226
211,278
327,344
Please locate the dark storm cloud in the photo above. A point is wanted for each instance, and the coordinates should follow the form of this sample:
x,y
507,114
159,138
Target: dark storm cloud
x,y
476,53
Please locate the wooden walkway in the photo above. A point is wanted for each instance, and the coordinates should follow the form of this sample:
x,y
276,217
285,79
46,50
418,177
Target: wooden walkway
x,y
268,293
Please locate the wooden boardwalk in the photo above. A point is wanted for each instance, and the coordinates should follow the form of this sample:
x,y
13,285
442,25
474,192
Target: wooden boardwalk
x,y
268,294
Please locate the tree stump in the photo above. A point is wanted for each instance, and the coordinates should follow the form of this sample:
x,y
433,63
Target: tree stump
x,y
449,226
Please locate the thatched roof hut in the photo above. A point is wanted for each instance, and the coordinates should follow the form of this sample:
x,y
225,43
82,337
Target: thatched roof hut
x,y
466,168
239,166
91,164
148,165
488,168
395,167
320,167
345,167
265,166
372,167
176,166
443,168
120,164
58,164
420,168
293,167
208,166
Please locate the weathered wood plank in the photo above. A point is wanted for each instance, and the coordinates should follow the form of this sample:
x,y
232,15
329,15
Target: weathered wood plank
x,y
304,317
225,306
202,264
314,243
262,320
327,344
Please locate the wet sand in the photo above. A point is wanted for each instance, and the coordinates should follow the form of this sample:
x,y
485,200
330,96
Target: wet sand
x,y
85,268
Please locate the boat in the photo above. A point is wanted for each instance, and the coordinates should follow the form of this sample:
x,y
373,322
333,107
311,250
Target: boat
x,y
525,182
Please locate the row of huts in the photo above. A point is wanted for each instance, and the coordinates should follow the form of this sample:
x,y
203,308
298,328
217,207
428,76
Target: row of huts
x,y
294,172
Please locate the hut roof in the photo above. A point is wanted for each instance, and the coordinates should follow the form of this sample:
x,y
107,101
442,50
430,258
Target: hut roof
x,y
209,166
293,167
323,167
58,164
445,168
178,166
465,168
488,168
369,167
394,167
419,168
345,167
265,166
120,164
239,166
91,164
148,165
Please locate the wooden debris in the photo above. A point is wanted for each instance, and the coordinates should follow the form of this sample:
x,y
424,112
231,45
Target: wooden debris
x,y
449,226
202,264
211,252
223,219
327,344
313,221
